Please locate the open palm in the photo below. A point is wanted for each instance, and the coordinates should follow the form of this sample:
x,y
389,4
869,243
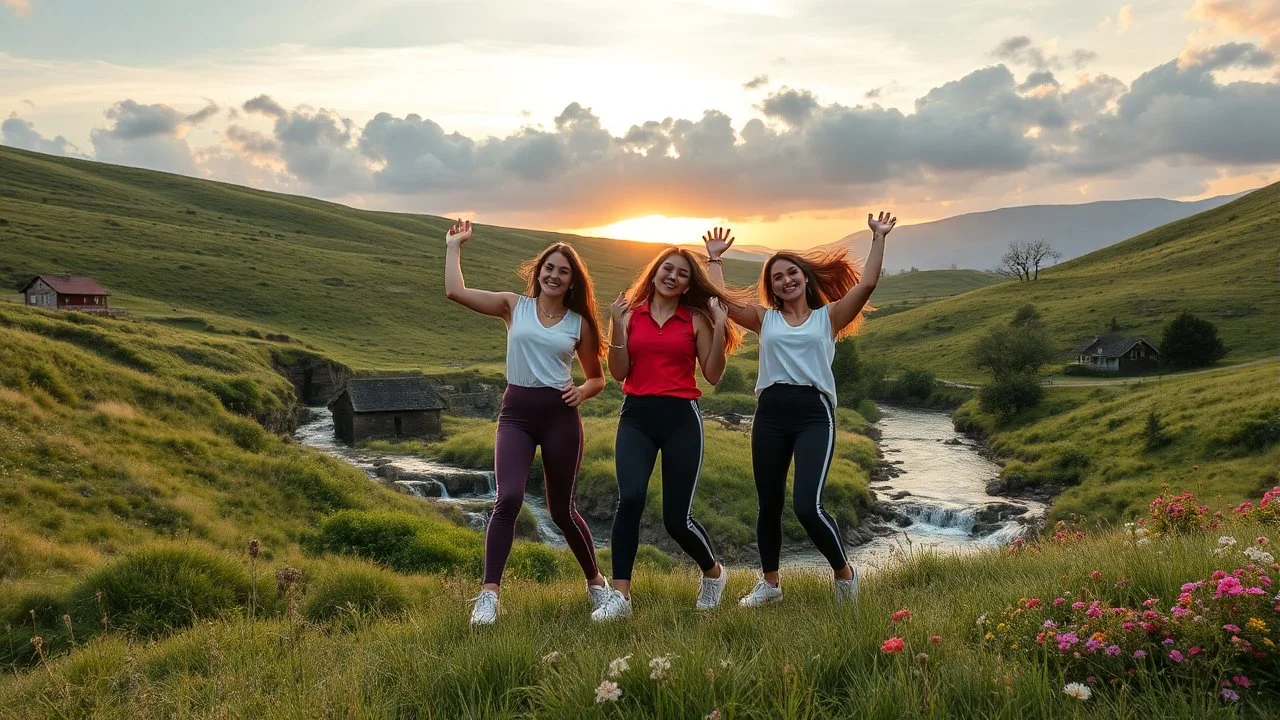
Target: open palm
x,y
882,224
718,241
459,233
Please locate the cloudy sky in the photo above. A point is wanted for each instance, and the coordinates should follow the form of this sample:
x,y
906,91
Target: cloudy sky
x,y
788,119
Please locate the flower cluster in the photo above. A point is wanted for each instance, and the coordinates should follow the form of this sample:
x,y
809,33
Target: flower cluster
x,y
1265,511
1180,515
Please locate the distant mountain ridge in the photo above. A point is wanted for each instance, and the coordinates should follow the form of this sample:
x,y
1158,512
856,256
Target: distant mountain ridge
x,y
977,240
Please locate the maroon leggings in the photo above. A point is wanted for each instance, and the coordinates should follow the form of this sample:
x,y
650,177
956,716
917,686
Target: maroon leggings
x,y
532,417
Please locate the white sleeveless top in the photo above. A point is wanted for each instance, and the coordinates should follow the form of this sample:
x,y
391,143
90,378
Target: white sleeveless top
x,y
539,356
797,355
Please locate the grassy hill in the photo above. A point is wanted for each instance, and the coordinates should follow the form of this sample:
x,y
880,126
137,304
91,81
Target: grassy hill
x,y
1219,264
902,291
364,288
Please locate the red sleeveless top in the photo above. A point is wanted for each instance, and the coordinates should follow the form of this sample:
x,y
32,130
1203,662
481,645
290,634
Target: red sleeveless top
x,y
662,358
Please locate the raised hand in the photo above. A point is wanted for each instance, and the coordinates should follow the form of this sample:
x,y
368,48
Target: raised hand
x,y
618,309
881,225
459,233
717,241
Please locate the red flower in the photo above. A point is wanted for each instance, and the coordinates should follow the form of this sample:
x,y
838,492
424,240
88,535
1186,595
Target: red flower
x,y
892,645
901,615
1033,603
935,639
1096,575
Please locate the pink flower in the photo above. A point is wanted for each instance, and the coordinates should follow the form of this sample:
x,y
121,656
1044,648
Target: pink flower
x,y
1234,629
1228,586
1242,681
935,639
1218,575
1230,695
1059,601
1077,605
1139,654
901,615
1129,625
1149,602
892,645
1261,540
1096,575
1194,651
1113,651
1176,656
1179,611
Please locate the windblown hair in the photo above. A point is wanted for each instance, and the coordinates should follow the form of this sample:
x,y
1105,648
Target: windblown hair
x,y
581,295
698,296
828,276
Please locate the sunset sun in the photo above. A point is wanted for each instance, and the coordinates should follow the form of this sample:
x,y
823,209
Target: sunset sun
x,y
654,229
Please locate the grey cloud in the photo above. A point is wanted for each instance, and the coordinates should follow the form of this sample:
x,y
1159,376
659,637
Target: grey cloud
x,y
28,103
1081,57
758,81
19,133
133,120
792,106
251,142
1037,79
203,114
1020,50
264,105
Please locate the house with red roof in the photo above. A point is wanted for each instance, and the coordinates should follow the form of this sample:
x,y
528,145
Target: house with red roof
x,y
65,292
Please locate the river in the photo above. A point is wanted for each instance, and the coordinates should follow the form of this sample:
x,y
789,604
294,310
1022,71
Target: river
x,y
939,485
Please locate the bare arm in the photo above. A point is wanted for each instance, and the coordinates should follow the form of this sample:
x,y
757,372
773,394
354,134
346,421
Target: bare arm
x,y
717,241
575,395
496,304
710,336
846,309
619,358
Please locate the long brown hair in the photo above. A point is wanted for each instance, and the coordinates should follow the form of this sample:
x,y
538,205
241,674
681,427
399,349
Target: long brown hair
x,y
581,295
829,274
697,298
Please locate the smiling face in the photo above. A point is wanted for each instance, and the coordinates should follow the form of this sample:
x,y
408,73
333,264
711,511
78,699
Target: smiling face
x,y
672,278
787,281
555,275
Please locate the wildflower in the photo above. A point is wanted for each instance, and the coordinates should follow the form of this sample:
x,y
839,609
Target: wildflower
x,y
1139,654
1226,541
254,548
552,657
1049,625
1230,695
1096,575
1167,642
1262,540
1114,651
713,715
725,663
608,692
935,639
1257,625
902,615
1078,605
922,657
286,577
892,645
983,617
1176,656
617,666
1079,691
659,666
1033,603
1242,681
1150,602
1057,602
1258,555
1144,541
1231,628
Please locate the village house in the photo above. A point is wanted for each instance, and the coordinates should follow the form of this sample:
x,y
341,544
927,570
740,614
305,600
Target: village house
x,y
1120,355
65,292
386,407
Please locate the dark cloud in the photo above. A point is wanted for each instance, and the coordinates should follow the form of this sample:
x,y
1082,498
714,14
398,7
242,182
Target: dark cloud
x,y
203,114
791,106
1020,50
251,142
758,81
28,103
264,105
133,120
19,133
1037,79
1081,57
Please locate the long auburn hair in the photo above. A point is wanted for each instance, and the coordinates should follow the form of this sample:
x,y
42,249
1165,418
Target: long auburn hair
x,y
581,295
697,298
829,274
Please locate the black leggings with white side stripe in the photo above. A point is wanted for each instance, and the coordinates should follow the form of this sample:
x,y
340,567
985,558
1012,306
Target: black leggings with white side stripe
x,y
794,421
674,426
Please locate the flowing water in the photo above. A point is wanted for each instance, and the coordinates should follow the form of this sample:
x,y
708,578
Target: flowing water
x,y
940,486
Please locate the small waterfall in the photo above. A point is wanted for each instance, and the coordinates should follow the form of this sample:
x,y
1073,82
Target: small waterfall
x,y
938,516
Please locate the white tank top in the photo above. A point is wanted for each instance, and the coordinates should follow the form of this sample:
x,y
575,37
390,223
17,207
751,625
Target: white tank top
x,y
539,356
797,355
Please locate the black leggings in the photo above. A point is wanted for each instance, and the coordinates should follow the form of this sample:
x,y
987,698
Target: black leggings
x,y
794,421
674,426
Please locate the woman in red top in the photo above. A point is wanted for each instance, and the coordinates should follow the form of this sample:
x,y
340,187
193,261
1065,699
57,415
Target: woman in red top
x,y
670,318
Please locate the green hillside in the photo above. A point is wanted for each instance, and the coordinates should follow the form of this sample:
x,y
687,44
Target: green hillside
x,y
905,290
364,288
1219,264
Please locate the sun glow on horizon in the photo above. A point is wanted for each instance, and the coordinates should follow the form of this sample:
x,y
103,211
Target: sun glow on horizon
x,y
654,229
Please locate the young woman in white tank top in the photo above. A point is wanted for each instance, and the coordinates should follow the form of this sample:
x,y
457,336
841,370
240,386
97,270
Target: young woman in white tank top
x,y
807,301
546,328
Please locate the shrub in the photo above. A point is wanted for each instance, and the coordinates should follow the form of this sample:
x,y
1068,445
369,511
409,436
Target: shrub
x,y
1019,348
1010,394
1153,434
537,562
353,590
398,540
733,381
1258,431
1189,341
159,590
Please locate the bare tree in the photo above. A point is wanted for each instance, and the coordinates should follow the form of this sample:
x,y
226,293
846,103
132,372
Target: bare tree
x,y
1023,260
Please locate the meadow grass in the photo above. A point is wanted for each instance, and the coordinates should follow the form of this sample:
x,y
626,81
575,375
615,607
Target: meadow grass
x,y
379,644
1093,441
1219,264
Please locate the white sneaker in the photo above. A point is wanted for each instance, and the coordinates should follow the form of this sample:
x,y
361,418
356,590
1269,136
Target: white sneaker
x,y
847,590
762,594
485,611
711,590
599,594
615,607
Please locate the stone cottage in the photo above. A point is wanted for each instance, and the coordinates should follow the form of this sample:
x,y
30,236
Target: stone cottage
x,y
386,407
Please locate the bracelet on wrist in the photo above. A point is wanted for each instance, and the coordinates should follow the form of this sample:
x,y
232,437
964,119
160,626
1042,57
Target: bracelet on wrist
x,y
714,260
618,347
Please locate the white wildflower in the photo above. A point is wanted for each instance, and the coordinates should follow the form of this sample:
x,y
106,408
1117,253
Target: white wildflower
x,y
552,657
608,692
659,666
713,715
982,619
1226,541
1144,541
725,663
618,666
1258,555
1079,691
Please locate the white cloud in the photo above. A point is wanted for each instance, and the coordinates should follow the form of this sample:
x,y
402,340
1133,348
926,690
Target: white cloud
x,y
1124,19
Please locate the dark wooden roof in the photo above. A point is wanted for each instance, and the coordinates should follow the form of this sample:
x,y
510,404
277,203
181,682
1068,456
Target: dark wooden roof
x,y
392,394
1112,346
68,284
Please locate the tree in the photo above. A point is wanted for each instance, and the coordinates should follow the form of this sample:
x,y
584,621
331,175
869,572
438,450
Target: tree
x,y
1189,342
1023,260
1022,346
1009,394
